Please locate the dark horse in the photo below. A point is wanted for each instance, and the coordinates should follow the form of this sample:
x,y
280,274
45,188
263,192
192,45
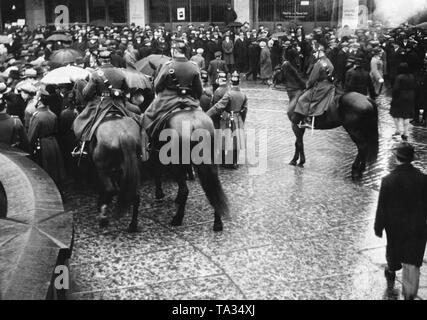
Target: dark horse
x,y
115,151
355,112
207,171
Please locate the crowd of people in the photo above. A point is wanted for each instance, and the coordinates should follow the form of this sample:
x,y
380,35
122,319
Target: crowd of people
x,y
365,61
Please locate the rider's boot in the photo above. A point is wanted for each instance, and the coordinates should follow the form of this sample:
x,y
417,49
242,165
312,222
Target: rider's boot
x,y
307,123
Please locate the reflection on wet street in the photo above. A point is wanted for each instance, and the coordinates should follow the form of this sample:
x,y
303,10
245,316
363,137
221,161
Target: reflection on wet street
x,y
295,233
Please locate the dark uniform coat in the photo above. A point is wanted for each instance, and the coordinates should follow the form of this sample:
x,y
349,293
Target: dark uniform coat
x,y
402,213
97,107
12,132
43,129
215,66
234,101
320,91
359,80
403,101
188,76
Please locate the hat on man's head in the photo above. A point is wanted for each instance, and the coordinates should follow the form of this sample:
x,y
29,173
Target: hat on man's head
x,y
27,87
4,89
218,54
14,74
404,152
104,53
30,73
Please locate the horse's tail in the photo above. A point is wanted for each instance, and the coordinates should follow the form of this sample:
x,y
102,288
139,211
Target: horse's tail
x,y
371,134
129,180
208,176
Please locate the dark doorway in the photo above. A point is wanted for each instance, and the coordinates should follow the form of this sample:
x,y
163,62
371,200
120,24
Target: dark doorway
x,y
11,11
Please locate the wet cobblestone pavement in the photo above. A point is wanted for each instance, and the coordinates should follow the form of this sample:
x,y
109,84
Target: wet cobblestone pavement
x,y
294,233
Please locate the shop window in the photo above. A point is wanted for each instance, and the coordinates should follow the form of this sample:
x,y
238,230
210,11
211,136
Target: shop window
x,y
159,11
117,11
218,10
200,10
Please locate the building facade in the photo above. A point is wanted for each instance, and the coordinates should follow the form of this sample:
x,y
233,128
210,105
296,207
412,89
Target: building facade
x,y
172,12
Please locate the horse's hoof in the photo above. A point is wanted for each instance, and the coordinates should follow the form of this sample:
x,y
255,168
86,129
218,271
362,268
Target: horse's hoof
x,y
293,163
103,223
218,227
301,165
133,228
176,222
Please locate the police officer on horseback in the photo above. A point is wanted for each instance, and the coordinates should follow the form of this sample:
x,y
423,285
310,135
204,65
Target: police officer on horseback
x,y
177,85
320,90
104,92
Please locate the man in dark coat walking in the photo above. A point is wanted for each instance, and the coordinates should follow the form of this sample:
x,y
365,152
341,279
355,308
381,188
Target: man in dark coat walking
x,y
215,67
402,213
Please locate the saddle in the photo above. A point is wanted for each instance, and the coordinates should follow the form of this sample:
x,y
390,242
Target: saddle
x,y
113,110
160,124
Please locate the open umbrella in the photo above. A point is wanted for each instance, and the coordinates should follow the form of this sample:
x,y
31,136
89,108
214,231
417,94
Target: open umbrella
x,y
4,39
234,25
65,75
59,37
150,64
136,80
63,57
422,26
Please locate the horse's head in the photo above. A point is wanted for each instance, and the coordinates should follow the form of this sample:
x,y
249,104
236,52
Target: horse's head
x,y
286,74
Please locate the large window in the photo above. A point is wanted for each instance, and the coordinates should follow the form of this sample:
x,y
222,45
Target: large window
x,y
100,12
194,10
77,9
290,10
159,11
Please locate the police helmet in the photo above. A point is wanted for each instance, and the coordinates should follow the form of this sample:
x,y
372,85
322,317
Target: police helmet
x,y
235,78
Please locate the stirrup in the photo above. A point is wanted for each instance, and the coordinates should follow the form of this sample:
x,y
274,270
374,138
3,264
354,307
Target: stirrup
x,y
79,152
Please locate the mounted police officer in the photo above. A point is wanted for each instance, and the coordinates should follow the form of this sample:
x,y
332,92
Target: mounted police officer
x,y
177,84
320,91
104,91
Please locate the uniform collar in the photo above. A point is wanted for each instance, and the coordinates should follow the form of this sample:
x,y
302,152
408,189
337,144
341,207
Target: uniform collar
x,y
235,88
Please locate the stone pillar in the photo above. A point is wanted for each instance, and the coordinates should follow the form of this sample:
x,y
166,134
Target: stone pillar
x,y
35,13
243,10
138,10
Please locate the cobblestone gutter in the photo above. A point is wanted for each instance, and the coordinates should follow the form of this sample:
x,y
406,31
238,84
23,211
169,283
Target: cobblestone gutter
x,y
36,235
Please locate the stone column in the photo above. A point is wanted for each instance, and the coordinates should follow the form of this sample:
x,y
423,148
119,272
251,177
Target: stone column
x,y
243,10
35,13
138,10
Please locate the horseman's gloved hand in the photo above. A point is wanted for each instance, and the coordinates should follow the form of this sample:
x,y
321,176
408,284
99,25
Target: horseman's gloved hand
x,y
381,81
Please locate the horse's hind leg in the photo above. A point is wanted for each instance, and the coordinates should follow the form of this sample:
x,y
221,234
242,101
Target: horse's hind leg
x,y
105,197
359,164
181,199
158,178
133,227
299,146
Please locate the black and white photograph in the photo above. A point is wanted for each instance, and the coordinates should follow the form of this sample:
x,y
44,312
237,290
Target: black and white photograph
x,y
213,154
